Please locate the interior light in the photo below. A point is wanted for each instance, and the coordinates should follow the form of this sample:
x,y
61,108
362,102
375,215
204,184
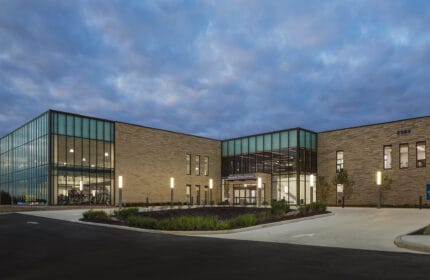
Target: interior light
x,y
259,184
312,180
106,154
71,151
81,186
92,165
84,159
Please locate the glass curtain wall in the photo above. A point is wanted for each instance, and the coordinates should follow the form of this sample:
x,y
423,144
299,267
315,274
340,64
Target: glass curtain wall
x,y
290,156
24,164
83,160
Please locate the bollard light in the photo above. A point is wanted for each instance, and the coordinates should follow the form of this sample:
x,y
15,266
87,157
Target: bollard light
x,y
210,183
120,191
378,178
120,182
259,184
81,186
172,182
312,180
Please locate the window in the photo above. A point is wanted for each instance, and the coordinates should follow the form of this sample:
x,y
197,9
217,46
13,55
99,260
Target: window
x,y
339,161
404,153
197,165
421,154
188,164
387,156
206,166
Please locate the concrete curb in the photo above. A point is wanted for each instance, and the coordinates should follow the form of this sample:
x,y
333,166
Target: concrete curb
x,y
208,232
415,246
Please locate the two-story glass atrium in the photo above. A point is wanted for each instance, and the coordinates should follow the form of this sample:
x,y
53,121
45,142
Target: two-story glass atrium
x,y
58,158
288,157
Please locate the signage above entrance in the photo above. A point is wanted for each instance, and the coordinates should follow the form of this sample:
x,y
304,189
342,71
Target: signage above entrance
x,y
242,177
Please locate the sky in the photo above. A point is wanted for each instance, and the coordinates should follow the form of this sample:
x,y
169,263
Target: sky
x,y
218,69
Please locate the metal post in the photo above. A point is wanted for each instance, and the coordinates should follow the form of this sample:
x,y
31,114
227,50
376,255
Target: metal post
x,y
421,202
259,197
312,195
171,198
210,197
343,201
120,199
379,197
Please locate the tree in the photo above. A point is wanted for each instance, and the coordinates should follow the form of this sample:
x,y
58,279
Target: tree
x,y
323,188
342,178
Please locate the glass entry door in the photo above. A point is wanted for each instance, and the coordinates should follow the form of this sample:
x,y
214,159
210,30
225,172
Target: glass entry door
x,y
244,195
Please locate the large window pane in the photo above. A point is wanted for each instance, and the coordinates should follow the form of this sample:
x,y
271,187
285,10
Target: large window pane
x,y
421,154
78,127
293,138
252,144
260,141
244,145
387,156
237,147
70,126
404,155
268,142
275,141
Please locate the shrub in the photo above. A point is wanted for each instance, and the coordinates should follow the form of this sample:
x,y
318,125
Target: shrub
x,y
126,212
263,216
142,222
279,207
244,220
190,223
92,215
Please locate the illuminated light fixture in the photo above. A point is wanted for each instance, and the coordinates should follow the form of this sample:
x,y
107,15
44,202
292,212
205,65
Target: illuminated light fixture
x,y
312,180
378,178
71,151
259,184
106,154
120,182
65,163
81,186
92,165
210,183
245,185
172,182
84,159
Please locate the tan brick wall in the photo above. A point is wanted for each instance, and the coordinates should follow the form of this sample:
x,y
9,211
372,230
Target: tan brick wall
x,y
363,156
147,158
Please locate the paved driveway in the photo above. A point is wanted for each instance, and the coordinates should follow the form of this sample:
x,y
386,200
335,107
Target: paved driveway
x,y
355,228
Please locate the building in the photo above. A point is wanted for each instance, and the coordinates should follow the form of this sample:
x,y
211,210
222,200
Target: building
x,y
61,158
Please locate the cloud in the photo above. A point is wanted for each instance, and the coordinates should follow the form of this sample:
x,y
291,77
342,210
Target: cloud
x,y
216,68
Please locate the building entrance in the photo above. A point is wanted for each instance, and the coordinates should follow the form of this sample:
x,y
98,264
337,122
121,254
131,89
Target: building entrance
x,y
244,194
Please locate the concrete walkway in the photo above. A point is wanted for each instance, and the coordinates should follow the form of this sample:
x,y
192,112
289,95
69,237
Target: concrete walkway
x,y
355,228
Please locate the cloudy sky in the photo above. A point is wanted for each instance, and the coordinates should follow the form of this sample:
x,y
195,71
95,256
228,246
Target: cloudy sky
x,y
216,68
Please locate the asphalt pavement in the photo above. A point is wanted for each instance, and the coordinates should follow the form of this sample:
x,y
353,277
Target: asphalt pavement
x,y
34,247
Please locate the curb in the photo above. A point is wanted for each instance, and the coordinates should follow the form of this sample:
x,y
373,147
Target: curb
x,y
415,246
208,232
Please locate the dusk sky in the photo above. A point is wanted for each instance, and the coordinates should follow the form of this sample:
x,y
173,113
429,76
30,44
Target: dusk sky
x,y
216,68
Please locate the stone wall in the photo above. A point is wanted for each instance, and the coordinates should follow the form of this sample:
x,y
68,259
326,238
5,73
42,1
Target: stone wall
x,y
363,156
147,158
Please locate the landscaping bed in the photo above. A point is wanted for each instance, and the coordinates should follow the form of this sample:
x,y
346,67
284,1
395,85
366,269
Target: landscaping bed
x,y
204,218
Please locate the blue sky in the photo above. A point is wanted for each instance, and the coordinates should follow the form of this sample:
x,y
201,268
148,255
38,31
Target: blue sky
x,y
216,68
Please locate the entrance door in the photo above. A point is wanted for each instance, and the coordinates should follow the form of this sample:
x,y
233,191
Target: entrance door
x,y
198,195
244,195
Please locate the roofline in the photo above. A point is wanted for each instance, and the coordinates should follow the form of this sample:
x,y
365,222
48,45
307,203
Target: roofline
x,y
374,124
24,124
269,132
170,131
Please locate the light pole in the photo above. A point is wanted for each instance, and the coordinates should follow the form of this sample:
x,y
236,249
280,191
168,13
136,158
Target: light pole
x,y
312,184
378,183
210,191
81,187
120,191
259,185
172,186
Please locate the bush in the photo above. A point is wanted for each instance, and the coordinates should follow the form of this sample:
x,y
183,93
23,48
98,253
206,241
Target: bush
x,y
92,215
142,222
314,207
126,212
279,207
244,220
190,223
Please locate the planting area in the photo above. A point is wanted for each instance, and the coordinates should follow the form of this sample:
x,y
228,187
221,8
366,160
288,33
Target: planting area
x,y
207,218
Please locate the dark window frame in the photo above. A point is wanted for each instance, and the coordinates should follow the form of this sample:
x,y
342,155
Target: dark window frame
x,y
383,157
400,156
423,162
188,164
340,166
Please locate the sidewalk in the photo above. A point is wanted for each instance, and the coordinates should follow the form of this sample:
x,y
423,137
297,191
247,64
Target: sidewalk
x,y
414,242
